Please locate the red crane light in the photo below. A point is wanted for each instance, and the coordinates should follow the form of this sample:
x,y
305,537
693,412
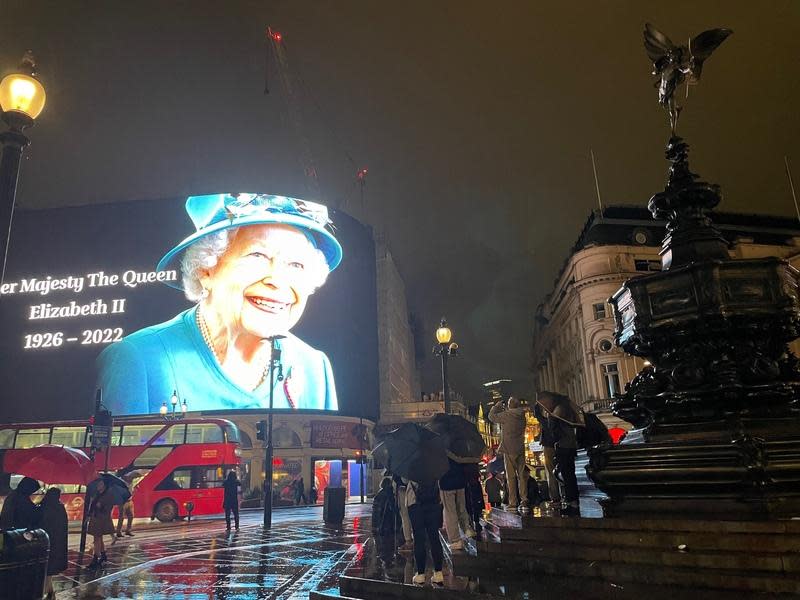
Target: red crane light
x,y
277,36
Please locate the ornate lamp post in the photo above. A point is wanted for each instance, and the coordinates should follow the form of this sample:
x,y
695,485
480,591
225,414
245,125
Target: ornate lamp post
x,y
445,349
22,99
175,414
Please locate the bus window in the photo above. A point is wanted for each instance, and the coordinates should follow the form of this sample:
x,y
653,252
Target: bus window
x,y
7,438
232,434
203,433
172,436
151,456
209,477
179,479
139,435
69,436
28,438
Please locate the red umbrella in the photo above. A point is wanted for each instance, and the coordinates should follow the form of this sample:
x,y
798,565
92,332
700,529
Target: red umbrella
x,y
51,464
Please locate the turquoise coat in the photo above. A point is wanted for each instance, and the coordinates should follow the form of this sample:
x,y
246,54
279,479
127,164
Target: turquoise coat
x,y
141,371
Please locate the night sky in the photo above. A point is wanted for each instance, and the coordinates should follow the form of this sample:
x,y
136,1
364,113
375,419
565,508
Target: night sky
x,y
475,120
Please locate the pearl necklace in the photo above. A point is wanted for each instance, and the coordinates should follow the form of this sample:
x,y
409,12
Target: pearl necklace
x,y
206,334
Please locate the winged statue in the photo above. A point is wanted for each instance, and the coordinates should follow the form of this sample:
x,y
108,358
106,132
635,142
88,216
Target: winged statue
x,y
675,64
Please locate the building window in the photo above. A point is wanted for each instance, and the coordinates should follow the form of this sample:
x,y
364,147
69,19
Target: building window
x,y
642,264
605,345
611,377
600,310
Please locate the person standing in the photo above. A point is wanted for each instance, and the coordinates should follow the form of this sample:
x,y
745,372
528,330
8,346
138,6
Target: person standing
x,y
425,512
384,511
452,486
299,491
19,512
54,522
563,416
511,419
100,522
473,493
549,451
493,490
400,487
313,496
230,499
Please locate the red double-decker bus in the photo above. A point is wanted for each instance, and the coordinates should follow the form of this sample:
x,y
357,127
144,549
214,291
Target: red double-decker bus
x,y
171,463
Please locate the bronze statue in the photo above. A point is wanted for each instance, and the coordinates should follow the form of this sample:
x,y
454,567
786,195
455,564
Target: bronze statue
x,y
673,64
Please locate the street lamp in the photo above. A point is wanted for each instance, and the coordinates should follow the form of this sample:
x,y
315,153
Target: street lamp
x,y
444,349
274,361
174,415
22,99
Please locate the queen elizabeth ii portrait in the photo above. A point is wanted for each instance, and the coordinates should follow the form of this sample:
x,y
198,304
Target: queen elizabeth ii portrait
x,y
249,269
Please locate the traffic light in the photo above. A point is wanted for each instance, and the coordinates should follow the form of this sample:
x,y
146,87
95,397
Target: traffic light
x,y
261,431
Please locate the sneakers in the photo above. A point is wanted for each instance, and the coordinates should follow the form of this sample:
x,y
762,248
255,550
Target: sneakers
x,y
418,579
128,533
459,545
437,577
119,535
470,533
511,508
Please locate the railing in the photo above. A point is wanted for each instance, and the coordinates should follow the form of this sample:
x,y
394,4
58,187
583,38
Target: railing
x,y
600,405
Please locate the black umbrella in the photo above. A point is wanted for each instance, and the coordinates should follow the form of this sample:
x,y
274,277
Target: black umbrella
x,y
463,440
118,489
414,453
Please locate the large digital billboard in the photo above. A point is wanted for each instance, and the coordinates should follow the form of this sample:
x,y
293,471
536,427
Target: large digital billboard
x,y
186,298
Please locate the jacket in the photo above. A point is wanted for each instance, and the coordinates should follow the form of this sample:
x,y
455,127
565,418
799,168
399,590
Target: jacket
x,y
563,432
512,434
54,522
454,478
19,512
230,497
493,489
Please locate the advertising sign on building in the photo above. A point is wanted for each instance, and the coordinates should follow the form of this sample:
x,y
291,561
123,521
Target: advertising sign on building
x,y
335,434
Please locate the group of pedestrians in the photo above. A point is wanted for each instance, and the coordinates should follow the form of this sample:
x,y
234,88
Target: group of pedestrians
x,y
20,512
559,441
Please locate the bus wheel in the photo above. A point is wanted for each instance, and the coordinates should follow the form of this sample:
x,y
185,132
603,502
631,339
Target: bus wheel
x,y
166,511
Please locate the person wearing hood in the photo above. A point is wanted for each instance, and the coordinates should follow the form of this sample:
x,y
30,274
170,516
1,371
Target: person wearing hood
x,y
54,522
19,512
512,421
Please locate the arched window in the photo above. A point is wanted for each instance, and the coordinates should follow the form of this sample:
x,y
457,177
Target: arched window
x,y
246,441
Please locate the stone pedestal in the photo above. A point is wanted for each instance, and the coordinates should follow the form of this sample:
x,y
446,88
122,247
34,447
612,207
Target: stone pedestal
x,y
720,402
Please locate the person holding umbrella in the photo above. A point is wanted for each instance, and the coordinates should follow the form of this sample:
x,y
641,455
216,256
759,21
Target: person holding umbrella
x,y
101,504
564,417
426,513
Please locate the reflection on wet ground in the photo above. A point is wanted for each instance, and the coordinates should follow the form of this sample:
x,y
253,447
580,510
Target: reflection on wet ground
x,y
202,560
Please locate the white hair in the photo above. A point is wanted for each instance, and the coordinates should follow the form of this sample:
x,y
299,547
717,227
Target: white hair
x,y
206,252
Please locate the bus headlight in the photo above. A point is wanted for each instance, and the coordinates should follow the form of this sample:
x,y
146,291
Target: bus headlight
x,y
237,452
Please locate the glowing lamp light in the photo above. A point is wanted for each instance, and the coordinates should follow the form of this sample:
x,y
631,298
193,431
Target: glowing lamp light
x,y
163,409
174,399
22,93
184,408
443,334
277,36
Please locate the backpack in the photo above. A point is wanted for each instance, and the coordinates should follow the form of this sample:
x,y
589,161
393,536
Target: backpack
x,y
426,493
593,433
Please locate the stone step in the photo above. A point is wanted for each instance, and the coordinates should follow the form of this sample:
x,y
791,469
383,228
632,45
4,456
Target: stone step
x,y
504,519
771,562
510,565
369,589
654,538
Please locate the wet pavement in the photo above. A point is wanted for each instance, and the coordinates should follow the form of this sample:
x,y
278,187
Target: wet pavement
x,y
201,560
